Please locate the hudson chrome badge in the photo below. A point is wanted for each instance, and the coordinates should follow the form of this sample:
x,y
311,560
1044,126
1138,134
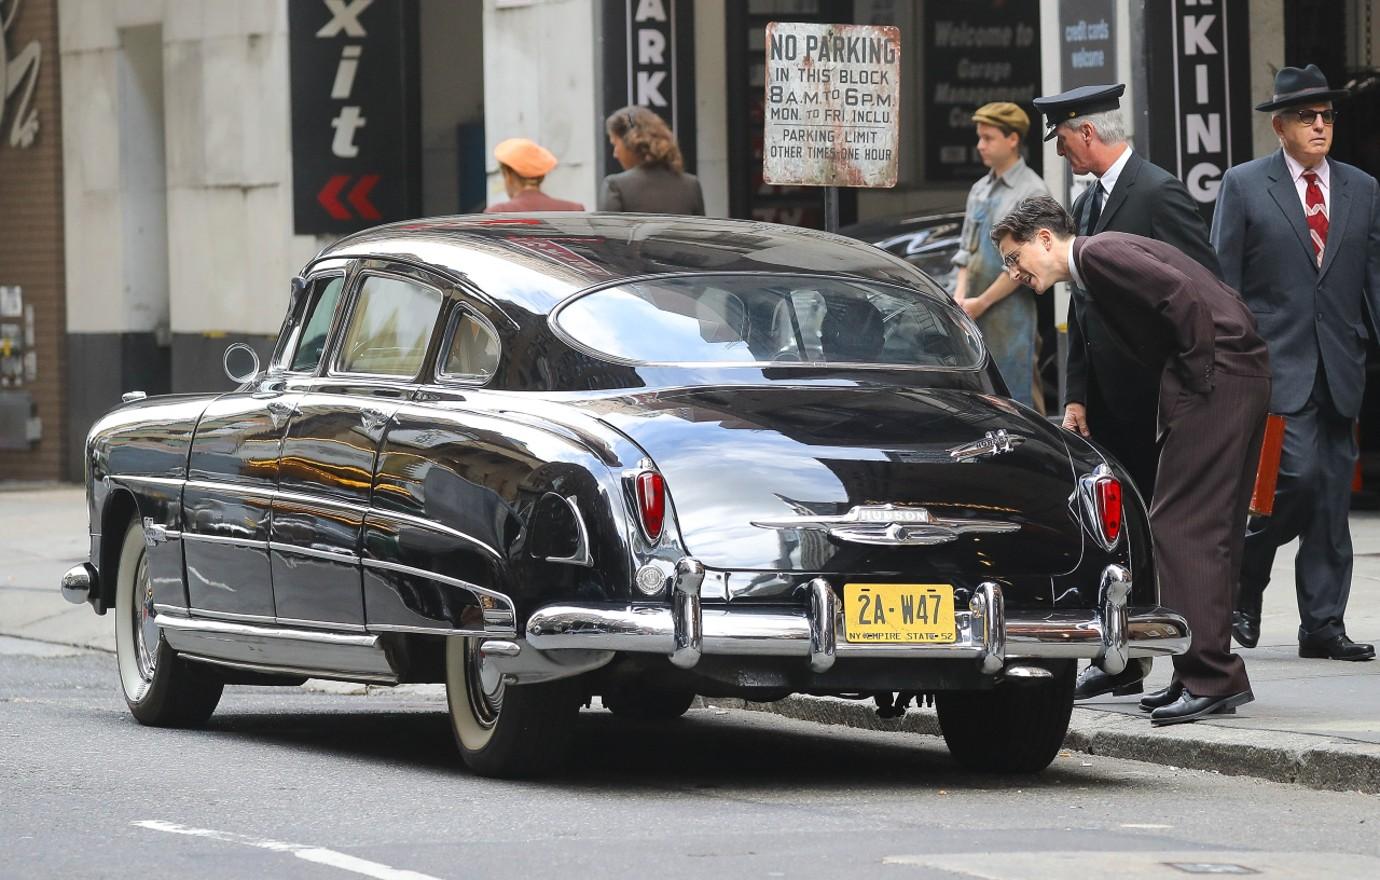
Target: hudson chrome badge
x,y
887,524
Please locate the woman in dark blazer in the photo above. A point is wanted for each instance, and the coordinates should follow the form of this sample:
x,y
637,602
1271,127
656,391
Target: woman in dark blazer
x,y
653,181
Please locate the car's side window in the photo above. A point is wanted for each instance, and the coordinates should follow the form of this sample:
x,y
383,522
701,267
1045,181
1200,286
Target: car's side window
x,y
390,327
316,324
471,352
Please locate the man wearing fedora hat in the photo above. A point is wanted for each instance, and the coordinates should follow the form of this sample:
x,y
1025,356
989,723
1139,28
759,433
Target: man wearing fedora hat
x,y
1298,234
524,165
1004,310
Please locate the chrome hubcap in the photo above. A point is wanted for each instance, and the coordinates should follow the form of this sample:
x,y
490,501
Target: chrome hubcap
x,y
145,628
485,686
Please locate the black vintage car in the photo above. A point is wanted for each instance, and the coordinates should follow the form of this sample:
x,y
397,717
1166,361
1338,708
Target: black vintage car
x,y
542,458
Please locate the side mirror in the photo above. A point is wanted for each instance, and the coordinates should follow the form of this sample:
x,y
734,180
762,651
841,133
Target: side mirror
x,y
241,363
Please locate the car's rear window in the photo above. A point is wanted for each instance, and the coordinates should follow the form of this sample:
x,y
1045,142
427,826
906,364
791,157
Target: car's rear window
x,y
769,319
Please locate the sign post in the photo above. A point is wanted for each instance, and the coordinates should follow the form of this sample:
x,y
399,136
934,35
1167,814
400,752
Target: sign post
x,y
832,110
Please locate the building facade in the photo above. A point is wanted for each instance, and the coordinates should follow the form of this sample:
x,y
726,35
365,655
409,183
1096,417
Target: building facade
x,y
168,165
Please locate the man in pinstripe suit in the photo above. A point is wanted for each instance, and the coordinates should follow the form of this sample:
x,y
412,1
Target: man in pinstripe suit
x,y
1214,382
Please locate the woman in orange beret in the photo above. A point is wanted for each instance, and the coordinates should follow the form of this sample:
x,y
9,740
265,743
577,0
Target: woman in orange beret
x,y
524,165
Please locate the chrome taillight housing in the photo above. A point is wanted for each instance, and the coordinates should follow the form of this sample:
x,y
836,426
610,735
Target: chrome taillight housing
x,y
649,488
1100,493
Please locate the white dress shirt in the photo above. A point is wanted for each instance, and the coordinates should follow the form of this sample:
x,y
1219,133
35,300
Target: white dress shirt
x,y
1108,180
1324,176
1073,269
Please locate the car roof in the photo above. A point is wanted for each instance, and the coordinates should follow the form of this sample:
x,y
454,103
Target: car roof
x,y
537,260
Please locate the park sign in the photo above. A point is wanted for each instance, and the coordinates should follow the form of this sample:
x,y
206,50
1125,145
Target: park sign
x,y
831,116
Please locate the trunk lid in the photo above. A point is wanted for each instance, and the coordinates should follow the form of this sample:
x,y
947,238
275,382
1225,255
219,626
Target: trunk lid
x,y
759,477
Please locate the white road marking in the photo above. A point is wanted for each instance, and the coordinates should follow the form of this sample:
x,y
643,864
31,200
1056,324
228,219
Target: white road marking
x,y
319,855
1148,826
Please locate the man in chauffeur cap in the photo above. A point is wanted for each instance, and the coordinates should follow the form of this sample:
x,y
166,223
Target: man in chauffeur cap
x,y
1110,394
1299,236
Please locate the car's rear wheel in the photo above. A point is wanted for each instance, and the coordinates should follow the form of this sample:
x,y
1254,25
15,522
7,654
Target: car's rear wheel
x,y
1017,727
649,705
160,688
503,730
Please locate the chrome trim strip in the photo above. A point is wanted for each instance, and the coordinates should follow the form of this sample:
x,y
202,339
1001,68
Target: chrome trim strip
x,y
223,539
330,555
445,579
581,555
322,624
201,613
172,610
434,526
292,670
320,501
152,481
431,630
225,628
215,486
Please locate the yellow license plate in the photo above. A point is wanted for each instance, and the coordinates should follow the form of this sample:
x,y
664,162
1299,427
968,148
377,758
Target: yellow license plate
x,y
899,613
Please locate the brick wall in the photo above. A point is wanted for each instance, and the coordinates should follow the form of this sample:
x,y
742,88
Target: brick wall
x,y
31,238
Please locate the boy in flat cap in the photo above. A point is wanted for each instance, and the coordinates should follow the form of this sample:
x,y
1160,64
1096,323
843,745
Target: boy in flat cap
x,y
1109,394
1299,237
1004,311
524,164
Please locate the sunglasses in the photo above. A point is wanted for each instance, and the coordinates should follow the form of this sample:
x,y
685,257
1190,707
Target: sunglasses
x,y
1306,117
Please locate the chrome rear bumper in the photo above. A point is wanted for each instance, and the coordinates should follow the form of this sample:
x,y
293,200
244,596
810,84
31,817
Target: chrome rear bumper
x,y
686,630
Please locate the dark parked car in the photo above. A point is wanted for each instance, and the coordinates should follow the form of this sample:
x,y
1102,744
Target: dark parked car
x,y
547,457
926,241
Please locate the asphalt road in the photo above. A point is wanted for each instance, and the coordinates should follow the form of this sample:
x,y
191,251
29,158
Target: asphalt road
x,y
290,783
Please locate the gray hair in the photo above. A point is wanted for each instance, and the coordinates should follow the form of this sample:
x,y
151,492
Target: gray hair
x,y
1109,125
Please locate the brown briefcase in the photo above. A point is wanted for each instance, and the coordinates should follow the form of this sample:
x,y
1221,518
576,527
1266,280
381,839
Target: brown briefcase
x,y
1267,471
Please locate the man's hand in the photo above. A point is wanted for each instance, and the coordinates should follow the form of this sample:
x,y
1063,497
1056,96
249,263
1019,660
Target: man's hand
x,y
1076,419
974,307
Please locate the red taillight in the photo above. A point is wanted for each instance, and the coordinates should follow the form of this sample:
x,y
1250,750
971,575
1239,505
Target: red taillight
x,y
651,502
1107,494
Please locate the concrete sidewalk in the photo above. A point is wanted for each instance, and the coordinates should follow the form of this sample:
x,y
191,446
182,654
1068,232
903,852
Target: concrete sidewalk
x,y
1315,722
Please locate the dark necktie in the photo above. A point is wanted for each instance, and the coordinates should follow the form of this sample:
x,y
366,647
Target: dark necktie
x,y
1316,211
1094,209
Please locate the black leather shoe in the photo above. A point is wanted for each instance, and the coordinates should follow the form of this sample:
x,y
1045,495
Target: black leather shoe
x,y
1093,682
1336,648
1161,697
1190,708
1245,628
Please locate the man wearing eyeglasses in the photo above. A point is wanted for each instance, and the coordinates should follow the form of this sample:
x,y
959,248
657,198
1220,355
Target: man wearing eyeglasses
x,y
1298,234
1197,340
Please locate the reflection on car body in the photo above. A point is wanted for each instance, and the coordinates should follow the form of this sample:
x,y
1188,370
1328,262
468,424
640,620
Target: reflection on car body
x,y
553,457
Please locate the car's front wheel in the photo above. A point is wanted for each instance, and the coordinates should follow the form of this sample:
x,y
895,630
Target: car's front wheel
x,y
507,730
1016,727
160,688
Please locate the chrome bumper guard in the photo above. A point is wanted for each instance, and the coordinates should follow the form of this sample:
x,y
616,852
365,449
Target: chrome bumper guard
x,y
686,630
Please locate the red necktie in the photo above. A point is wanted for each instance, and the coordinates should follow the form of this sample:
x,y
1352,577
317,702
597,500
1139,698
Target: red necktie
x,y
1316,211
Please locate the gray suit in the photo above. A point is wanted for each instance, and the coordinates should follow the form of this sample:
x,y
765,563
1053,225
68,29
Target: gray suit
x,y
652,189
1311,318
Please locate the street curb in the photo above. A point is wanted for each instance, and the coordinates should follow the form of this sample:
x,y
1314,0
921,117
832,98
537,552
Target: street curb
x,y
1314,761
